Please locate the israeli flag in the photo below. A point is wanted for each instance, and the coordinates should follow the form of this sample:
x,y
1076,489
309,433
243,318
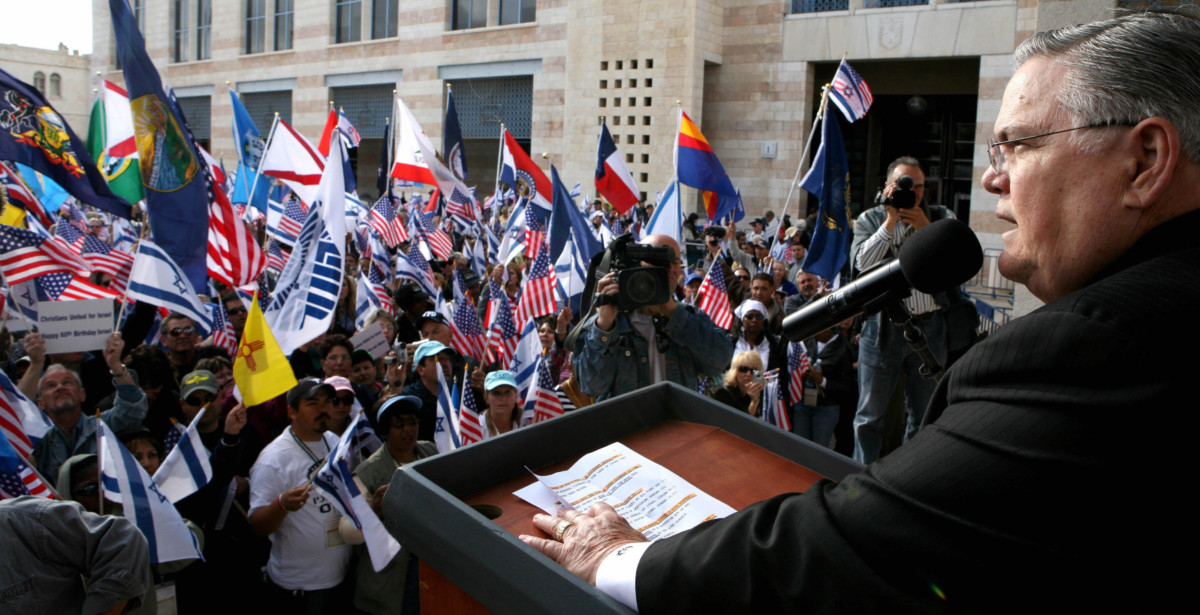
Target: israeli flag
x,y
169,539
157,280
668,214
306,293
186,468
336,480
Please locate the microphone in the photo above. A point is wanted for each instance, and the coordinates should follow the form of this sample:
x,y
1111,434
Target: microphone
x,y
935,259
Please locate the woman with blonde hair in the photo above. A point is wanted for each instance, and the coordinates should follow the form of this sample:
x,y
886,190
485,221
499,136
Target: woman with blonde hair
x,y
743,383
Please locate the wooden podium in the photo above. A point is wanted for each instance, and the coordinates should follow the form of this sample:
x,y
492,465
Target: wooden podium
x,y
473,564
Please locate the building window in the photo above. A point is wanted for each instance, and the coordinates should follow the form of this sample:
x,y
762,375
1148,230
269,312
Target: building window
x,y
179,42
55,85
469,14
348,21
383,19
256,26
283,24
39,81
203,29
517,11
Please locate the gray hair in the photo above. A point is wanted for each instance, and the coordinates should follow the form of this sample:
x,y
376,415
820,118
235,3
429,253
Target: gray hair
x,y
1123,70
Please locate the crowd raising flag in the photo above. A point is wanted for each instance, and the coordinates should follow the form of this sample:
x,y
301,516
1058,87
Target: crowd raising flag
x,y
112,144
34,134
696,165
260,368
167,536
714,299
335,479
172,172
829,179
850,93
186,468
613,179
25,255
307,291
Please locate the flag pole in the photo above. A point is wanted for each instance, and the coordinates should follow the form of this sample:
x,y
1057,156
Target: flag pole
x,y
807,147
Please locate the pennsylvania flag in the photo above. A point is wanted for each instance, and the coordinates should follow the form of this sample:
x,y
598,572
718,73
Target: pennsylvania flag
x,y
697,166
260,369
172,171
34,134
829,179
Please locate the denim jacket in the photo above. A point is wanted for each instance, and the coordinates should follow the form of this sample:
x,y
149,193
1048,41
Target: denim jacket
x,y
610,363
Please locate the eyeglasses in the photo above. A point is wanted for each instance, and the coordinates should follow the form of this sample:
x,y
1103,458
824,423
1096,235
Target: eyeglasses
x,y
347,400
745,369
178,331
199,399
996,155
235,311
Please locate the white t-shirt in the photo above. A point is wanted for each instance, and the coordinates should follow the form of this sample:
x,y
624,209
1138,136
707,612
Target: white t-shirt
x,y
306,551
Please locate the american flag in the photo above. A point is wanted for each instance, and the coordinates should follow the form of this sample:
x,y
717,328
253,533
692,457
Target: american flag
x,y
25,255
535,234
16,480
798,365
502,330
19,193
470,423
386,220
276,256
439,242
466,334
542,399
538,296
67,287
714,298
234,257
223,335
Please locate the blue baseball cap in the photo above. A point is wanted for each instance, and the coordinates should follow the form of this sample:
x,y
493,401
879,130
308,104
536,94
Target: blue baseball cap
x,y
428,349
499,378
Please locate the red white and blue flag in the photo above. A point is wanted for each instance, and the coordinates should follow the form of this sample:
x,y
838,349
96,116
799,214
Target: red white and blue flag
x,y
850,93
613,178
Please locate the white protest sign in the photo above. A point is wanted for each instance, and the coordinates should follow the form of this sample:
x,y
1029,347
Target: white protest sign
x,y
371,340
75,326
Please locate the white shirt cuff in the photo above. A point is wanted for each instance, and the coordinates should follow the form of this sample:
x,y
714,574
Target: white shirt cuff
x,y
617,574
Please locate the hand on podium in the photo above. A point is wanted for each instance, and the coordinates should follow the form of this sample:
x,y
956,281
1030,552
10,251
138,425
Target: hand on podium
x,y
583,540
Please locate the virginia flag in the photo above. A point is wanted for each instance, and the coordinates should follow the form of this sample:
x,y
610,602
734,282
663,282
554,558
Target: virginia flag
x,y
613,178
307,291
157,280
186,468
829,179
34,134
335,479
260,369
172,176
169,539
522,175
696,163
453,150
111,142
668,214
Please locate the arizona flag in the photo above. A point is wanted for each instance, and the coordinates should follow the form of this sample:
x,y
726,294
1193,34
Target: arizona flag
x,y
613,178
260,368
696,163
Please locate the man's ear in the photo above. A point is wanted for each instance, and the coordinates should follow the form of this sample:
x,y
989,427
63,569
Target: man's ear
x,y
1155,147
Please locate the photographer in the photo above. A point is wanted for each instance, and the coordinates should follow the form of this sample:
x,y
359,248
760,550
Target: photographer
x,y
883,353
620,351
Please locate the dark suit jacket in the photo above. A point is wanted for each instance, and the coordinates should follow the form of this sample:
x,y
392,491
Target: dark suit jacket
x,y
1032,488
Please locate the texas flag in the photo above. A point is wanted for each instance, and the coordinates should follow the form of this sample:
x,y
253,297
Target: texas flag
x,y
613,179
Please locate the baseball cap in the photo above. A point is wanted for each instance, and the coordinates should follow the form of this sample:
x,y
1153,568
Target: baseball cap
x,y
428,349
307,389
199,380
499,378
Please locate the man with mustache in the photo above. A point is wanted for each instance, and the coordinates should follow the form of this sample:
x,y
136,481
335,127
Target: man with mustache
x,y
309,560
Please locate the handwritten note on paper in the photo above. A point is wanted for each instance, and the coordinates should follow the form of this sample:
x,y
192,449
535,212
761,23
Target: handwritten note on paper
x,y
652,498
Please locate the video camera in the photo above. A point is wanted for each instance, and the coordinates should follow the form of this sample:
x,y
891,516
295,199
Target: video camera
x,y
903,197
639,285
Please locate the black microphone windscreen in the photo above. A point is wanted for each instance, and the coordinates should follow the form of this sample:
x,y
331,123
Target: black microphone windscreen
x,y
941,256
